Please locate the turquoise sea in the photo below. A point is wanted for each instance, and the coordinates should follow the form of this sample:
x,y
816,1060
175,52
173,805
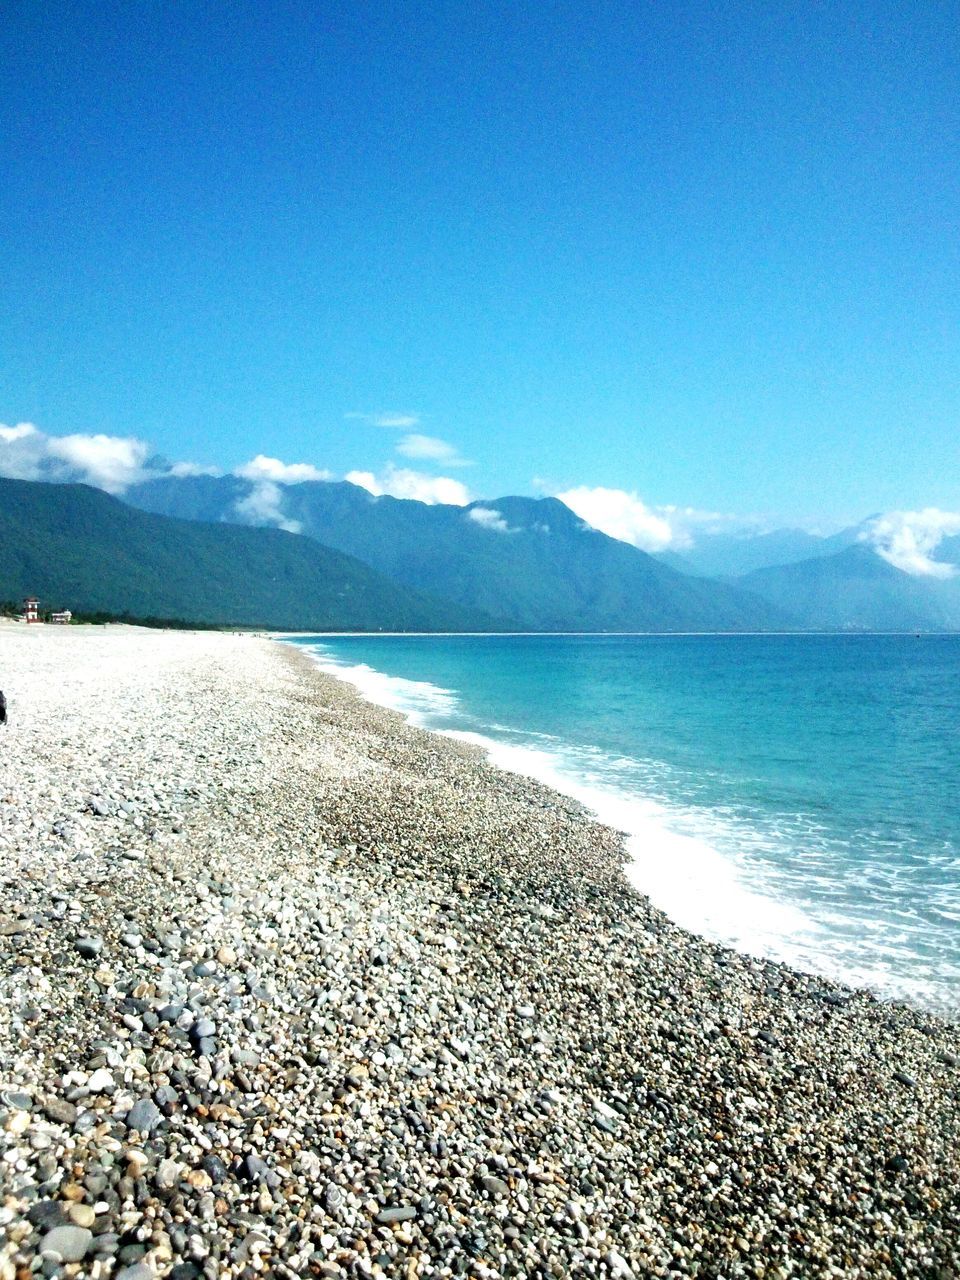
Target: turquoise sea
x,y
797,797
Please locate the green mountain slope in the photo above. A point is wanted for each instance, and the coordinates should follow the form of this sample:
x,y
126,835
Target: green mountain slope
x,y
857,590
79,548
528,559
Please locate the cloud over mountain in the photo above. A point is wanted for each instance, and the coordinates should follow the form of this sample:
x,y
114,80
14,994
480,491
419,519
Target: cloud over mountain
x,y
264,503
489,518
907,540
108,462
623,514
620,514
264,468
401,482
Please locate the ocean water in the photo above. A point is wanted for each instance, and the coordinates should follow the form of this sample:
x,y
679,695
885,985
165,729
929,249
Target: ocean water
x,y
797,797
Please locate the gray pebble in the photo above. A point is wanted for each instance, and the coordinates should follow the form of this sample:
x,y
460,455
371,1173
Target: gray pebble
x,y
16,1100
400,1213
136,1271
143,1116
68,1244
495,1186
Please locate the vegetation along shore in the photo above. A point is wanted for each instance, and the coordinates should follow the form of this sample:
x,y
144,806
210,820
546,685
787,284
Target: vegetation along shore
x,y
292,988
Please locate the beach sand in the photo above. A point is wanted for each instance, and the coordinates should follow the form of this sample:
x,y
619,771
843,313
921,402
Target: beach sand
x,y
288,987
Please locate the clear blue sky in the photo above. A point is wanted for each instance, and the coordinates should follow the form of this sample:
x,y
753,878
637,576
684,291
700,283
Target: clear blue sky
x,y
707,253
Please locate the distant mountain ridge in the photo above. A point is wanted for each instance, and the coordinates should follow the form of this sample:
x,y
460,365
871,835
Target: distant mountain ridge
x,y
206,549
733,556
857,590
531,560
79,547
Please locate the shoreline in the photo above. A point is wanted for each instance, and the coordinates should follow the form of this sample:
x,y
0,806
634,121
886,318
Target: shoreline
x,y
447,1036
743,915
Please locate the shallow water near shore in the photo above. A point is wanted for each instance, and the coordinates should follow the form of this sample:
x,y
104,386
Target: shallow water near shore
x,y
797,797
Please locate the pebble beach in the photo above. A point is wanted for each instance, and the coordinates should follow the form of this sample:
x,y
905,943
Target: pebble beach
x,y
291,988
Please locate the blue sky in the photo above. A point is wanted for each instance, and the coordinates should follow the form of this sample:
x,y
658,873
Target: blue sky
x,y
705,255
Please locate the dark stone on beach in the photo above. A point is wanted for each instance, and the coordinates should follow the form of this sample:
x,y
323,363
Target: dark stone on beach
x,y
902,1078
206,1047
949,1059
89,948
185,1271
59,1110
144,1116
253,1169
399,1213
897,1164
834,998
475,1245
47,1214
130,1254
768,1038
215,1167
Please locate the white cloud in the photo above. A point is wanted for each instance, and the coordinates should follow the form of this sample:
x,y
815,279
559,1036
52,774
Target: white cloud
x,y
20,432
620,514
429,448
625,516
264,505
263,468
489,518
23,452
906,539
193,469
400,482
403,421
109,462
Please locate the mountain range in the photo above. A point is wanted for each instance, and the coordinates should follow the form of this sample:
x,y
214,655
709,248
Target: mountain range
x,y
77,547
208,549
528,561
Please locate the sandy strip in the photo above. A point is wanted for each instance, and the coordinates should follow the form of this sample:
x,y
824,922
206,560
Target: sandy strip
x,y
291,988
